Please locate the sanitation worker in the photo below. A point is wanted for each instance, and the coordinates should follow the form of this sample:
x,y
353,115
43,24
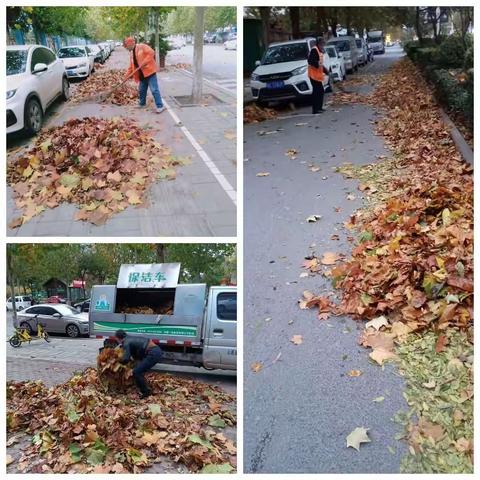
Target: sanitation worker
x,y
144,57
145,352
316,73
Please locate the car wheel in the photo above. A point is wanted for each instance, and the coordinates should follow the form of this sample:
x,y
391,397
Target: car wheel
x,y
27,327
72,331
33,116
65,89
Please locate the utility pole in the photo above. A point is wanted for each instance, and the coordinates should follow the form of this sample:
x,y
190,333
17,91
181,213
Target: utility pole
x,y
197,89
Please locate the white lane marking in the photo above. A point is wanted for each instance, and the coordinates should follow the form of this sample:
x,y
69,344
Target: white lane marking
x,y
224,183
228,90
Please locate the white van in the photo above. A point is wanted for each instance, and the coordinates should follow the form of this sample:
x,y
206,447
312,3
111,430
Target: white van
x,y
282,72
347,47
21,302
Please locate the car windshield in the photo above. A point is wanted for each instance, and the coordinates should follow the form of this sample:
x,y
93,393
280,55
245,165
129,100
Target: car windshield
x,y
16,61
65,310
69,52
374,39
291,52
342,45
331,52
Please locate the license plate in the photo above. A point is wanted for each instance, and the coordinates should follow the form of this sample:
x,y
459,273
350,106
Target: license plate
x,y
70,72
276,84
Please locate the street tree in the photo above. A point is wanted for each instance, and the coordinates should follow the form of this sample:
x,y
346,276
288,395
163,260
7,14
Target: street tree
x,y
197,86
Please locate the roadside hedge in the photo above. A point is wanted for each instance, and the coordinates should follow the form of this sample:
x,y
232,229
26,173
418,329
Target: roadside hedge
x,y
442,65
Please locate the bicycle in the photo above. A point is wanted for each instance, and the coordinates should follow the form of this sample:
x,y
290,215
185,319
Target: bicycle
x,y
22,335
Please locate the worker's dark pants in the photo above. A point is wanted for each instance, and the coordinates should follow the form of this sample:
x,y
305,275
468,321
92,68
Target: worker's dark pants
x,y
151,82
317,96
154,355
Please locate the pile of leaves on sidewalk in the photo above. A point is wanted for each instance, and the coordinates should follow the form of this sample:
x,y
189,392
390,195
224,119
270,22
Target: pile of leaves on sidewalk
x,y
81,427
411,272
104,81
253,114
101,165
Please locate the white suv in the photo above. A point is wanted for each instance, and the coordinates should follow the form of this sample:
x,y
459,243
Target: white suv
x,y
282,72
35,78
21,302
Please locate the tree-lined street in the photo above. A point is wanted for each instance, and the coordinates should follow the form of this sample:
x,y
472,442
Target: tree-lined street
x,y
196,193
358,205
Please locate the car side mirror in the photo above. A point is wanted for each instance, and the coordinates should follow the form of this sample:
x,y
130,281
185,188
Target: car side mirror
x,y
40,67
257,63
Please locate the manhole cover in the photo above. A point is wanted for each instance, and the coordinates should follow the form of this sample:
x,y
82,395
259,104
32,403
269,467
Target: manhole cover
x,y
207,101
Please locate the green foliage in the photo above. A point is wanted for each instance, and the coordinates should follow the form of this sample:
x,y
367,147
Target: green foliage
x,y
31,265
450,92
182,20
452,51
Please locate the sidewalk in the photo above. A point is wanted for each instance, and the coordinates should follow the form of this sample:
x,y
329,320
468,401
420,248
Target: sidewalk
x,y
201,201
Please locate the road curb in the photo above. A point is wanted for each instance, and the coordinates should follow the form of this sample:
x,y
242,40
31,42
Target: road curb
x,y
463,147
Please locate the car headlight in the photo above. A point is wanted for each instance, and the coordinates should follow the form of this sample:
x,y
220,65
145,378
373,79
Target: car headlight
x,y
82,64
299,70
11,93
254,76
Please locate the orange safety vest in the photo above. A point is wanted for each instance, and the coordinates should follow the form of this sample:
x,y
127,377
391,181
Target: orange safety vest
x,y
317,73
146,57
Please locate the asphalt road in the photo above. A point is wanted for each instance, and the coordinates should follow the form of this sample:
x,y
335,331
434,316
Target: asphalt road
x,y
299,410
219,65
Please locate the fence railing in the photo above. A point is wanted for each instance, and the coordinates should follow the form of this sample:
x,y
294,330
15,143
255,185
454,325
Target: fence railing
x,y
33,37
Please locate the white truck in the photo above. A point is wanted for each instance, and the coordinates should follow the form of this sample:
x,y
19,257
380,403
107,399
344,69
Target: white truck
x,y
376,41
194,326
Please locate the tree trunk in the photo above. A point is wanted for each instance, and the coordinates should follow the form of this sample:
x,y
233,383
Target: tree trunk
x,y
265,16
11,280
157,39
418,27
197,89
295,21
319,16
160,248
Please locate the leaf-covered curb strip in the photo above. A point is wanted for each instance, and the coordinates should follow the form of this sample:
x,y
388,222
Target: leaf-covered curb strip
x,y
439,392
101,165
78,428
414,259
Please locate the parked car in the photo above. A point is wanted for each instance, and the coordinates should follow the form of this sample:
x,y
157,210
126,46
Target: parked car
x,y
35,79
362,53
231,43
282,72
348,48
21,302
337,63
55,299
209,37
107,49
99,55
175,43
78,60
83,306
56,318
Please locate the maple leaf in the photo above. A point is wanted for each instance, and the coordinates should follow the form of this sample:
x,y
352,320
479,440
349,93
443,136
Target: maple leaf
x,y
377,323
357,437
330,258
256,367
297,339
114,177
381,355
133,197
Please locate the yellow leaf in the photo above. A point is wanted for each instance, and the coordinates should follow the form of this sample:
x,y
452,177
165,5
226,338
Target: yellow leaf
x,y
27,172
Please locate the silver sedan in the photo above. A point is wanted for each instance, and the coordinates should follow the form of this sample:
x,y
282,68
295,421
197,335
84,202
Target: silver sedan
x,y
57,318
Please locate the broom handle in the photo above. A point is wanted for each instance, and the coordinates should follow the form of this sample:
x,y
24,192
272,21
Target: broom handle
x,y
125,80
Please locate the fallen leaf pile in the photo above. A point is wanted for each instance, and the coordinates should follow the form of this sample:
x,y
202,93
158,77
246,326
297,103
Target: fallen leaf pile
x,y
414,260
79,427
253,114
113,375
101,165
103,82
145,310
439,392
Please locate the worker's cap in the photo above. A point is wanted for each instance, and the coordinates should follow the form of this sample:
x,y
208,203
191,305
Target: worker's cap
x,y
129,42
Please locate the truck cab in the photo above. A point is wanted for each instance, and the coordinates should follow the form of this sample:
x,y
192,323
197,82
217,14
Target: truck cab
x,y
376,41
